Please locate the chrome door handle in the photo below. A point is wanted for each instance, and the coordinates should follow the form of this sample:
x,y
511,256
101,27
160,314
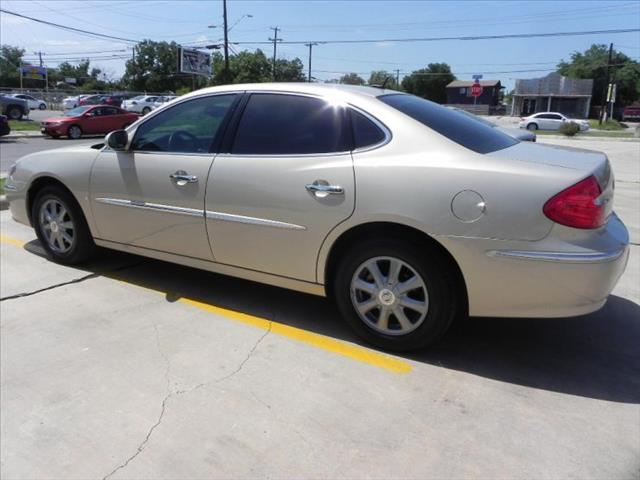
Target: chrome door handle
x,y
182,178
322,189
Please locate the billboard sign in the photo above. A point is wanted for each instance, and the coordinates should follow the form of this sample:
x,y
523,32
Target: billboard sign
x,y
194,62
31,71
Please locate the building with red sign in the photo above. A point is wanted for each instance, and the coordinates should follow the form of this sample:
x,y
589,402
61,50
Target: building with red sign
x,y
459,95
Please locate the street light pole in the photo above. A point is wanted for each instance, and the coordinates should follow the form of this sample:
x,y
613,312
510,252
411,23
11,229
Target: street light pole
x,y
310,45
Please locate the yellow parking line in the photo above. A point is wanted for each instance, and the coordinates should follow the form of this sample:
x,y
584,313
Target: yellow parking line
x,y
322,342
354,352
12,241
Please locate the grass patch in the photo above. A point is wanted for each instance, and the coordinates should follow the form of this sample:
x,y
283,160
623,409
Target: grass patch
x,y
24,125
609,125
2,182
591,133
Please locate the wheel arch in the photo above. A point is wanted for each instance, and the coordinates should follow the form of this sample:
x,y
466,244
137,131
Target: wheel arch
x,y
42,182
383,229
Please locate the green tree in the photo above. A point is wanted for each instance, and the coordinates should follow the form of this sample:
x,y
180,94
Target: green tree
x,y
352,79
593,64
10,59
255,67
155,68
290,70
430,82
378,77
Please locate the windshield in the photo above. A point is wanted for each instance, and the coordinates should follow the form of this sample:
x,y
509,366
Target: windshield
x,y
462,129
76,112
139,97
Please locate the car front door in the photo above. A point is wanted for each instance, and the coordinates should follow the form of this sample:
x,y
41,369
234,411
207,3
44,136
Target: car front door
x,y
91,120
282,184
152,194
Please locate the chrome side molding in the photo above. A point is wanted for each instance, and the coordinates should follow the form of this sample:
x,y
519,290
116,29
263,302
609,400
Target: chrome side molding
x,y
228,217
193,212
562,257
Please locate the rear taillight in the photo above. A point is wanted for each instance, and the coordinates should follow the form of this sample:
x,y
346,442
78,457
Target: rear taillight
x,y
577,206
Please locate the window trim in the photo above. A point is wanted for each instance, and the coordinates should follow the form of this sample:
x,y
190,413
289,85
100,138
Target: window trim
x,y
218,137
388,136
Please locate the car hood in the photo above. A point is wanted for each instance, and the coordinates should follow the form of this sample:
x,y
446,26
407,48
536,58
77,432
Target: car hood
x,y
58,119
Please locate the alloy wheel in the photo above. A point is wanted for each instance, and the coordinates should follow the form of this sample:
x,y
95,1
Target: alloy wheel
x,y
57,226
389,295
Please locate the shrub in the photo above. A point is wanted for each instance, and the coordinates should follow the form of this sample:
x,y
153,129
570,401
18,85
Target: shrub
x,y
569,128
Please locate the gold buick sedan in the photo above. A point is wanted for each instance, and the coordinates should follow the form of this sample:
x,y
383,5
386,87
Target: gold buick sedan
x,y
408,214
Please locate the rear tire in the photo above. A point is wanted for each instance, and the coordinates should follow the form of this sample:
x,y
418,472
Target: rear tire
x,y
397,319
532,126
42,106
61,227
14,113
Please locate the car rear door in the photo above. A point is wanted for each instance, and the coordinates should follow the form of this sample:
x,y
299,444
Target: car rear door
x,y
152,195
285,181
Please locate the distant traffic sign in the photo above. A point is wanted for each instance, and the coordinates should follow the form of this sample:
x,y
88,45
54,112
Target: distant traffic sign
x,y
476,90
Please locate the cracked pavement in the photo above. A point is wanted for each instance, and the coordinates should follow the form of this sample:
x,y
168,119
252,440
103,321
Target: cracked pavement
x,y
105,374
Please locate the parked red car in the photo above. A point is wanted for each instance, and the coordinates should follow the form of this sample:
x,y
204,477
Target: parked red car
x,y
88,120
632,113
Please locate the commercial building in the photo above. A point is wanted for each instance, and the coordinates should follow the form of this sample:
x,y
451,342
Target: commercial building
x,y
459,95
553,93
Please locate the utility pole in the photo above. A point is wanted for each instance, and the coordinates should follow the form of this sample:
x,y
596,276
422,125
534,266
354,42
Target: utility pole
x,y
310,45
226,41
603,112
398,79
275,41
40,56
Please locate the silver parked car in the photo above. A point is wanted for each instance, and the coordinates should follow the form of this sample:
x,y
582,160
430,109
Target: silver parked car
x,y
551,121
408,214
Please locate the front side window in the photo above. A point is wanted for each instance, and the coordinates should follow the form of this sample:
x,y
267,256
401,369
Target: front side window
x,y
188,127
457,127
76,112
277,124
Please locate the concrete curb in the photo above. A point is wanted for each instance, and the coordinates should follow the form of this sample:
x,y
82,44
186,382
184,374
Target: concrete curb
x,y
26,134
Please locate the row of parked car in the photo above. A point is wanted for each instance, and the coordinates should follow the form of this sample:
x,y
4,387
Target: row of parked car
x,y
142,104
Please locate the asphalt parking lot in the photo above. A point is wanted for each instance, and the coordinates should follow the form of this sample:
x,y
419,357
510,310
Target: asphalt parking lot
x,y
135,368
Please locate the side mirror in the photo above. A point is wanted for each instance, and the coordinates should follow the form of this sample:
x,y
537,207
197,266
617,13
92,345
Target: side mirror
x,y
89,114
117,140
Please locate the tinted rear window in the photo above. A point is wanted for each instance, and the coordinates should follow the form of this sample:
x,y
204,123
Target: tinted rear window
x,y
456,126
290,124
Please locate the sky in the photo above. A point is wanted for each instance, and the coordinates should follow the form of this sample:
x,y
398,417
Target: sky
x,y
186,22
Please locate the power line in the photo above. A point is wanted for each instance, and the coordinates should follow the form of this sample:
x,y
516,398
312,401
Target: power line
x,y
63,27
438,39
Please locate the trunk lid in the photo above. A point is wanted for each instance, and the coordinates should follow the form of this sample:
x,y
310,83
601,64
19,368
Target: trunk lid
x,y
584,162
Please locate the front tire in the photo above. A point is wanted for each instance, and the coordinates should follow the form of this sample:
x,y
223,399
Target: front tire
x,y
145,110
61,227
397,295
74,132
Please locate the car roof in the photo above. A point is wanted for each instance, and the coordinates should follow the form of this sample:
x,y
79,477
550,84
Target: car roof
x,y
322,89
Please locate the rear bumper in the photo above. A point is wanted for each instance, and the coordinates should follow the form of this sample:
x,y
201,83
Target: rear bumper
x,y
568,273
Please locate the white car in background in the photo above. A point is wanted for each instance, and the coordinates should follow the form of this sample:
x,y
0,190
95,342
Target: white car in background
x,y
142,104
72,102
34,103
550,121
163,100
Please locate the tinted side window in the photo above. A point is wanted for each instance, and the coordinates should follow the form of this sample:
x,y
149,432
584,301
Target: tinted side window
x,y
289,124
365,132
189,127
457,127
